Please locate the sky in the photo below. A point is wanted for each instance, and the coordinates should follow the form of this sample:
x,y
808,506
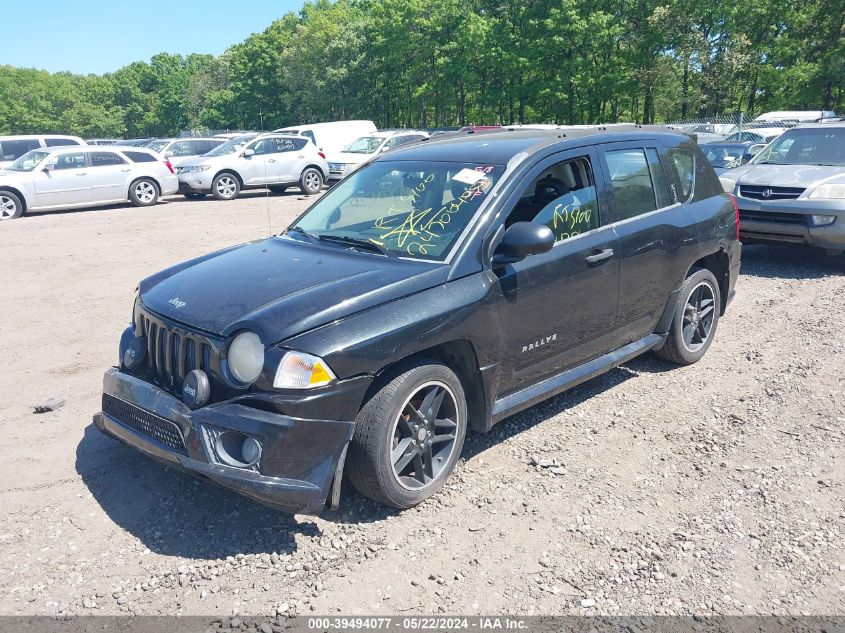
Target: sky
x,y
100,36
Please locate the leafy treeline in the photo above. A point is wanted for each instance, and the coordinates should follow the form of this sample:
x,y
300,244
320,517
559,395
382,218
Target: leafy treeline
x,y
437,63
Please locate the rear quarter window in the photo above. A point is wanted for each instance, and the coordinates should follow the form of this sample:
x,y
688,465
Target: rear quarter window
x,y
140,157
682,162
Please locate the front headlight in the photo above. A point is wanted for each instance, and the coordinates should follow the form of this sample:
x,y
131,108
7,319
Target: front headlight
x,y
193,169
728,184
246,357
828,192
302,371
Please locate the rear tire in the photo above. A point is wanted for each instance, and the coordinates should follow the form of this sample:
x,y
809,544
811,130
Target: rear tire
x,y
277,188
695,320
225,186
311,181
143,192
409,435
11,207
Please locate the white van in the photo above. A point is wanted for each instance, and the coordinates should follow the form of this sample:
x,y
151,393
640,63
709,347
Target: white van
x,y
332,136
13,147
802,116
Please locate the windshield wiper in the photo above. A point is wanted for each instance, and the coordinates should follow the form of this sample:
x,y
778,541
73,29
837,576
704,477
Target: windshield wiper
x,y
298,229
357,242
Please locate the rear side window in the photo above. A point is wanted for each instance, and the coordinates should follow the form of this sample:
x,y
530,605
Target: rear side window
x,y
59,142
287,144
630,178
310,135
182,148
141,157
658,177
12,150
105,159
683,168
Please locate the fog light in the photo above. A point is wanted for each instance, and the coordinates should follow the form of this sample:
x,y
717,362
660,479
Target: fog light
x,y
250,450
822,220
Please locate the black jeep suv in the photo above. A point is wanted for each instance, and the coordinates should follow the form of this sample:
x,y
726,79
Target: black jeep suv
x,y
439,288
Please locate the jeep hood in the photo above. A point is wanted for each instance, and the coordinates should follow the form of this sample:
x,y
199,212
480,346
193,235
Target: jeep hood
x,y
279,287
783,175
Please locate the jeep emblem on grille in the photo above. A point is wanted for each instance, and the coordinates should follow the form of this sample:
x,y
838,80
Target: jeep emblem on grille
x,y
177,302
767,193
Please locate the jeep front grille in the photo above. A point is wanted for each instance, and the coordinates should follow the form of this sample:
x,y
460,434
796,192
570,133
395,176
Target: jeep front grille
x,y
156,428
172,352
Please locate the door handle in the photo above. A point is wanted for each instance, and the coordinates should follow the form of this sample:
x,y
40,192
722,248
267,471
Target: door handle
x,y
127,169
82,173
271,160
597,258
302,156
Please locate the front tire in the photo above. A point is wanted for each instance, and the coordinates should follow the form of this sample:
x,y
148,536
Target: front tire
x,y
696,318
11,206
143,192
311,181
409,435
225,186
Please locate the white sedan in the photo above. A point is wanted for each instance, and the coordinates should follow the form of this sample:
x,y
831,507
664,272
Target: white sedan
x,y
84,176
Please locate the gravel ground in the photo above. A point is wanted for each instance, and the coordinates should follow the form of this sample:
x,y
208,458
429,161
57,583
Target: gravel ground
x,y
711,489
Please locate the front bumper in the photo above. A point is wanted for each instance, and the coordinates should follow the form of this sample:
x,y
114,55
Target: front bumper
x,y
788,221
194,183
298,460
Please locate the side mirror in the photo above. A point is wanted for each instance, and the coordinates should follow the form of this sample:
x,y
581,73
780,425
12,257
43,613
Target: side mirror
x,y
523,239
49,167
756,149
168,154
248,152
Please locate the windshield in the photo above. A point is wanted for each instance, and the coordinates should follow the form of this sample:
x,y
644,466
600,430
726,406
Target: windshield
x,y
365,145
231,146
28,161
807,146
403,208
157,146
727,156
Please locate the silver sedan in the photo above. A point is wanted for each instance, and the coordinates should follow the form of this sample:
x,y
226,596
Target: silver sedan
x,y
84,176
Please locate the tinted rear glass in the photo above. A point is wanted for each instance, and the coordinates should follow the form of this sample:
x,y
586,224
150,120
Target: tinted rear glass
x,y
12,150
140,157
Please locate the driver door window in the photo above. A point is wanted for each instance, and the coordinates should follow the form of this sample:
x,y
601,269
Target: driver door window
x,y
563,198
70,161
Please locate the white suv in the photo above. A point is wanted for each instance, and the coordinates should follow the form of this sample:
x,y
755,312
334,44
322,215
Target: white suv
x,y
364,148
84,176
275,161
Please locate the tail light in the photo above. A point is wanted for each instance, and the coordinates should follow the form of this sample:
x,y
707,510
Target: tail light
x,y
170,167
321,155
736,213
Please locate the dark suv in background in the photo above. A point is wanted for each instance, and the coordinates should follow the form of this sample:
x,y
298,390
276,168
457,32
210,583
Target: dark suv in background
x,y
440,288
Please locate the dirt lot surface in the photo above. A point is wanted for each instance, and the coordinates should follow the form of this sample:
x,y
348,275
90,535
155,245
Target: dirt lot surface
x,y
716,488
